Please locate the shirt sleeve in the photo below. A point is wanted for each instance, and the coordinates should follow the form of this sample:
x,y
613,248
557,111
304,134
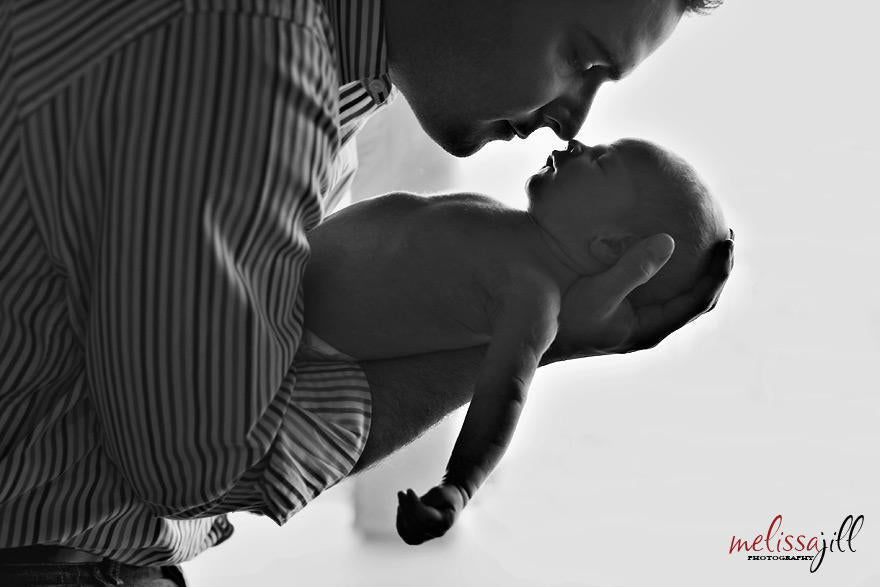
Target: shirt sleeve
x,y
216,134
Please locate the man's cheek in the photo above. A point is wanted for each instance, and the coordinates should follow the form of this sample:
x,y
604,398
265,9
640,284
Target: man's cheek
x,y
521,96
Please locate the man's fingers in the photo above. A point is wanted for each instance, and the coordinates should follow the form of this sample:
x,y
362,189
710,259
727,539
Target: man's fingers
x,y
656,321
712,284
639,264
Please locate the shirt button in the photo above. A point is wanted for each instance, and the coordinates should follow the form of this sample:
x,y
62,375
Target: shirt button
x,y
377,86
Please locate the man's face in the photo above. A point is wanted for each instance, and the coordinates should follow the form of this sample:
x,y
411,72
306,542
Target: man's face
x,y
483,70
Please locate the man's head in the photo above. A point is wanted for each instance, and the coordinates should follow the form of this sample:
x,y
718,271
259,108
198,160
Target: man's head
x,y
595,202
479,70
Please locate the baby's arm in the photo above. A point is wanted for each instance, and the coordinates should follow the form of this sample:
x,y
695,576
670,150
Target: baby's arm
x,y
524,327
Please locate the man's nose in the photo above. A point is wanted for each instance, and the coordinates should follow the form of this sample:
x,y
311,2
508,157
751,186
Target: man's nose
x,y
570,109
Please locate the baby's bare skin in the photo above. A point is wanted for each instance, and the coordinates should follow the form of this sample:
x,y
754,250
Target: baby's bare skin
x,y
423,274
434,274
406,275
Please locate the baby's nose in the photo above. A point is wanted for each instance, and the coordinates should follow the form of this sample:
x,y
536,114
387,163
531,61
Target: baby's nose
x,y
596,151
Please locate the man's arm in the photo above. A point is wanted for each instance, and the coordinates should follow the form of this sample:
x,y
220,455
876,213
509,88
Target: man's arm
x,y
412,394
213,170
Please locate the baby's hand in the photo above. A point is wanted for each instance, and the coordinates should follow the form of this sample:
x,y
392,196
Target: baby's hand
x,y
420,520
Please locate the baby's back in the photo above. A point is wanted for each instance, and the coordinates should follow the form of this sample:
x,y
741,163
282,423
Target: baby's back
x,y
402,274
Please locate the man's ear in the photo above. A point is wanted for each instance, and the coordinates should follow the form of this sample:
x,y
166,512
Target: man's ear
x,y
608,247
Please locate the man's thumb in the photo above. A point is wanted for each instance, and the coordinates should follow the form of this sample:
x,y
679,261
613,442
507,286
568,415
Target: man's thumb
x,y
660,246
639,264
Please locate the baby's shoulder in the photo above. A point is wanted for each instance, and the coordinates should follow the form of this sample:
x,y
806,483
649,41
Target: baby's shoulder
x,y
378,211
395,201
467,200
467,211
449,203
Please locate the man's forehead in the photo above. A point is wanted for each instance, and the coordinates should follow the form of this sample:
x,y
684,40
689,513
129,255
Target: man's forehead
x,y
627,30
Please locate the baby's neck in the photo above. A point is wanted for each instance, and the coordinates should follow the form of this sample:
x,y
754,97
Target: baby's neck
x,y
552,256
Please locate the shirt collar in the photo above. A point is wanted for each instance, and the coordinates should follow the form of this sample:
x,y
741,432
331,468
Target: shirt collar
x,y
359,27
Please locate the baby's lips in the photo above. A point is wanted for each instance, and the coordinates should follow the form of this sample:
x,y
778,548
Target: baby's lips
x,y
575,146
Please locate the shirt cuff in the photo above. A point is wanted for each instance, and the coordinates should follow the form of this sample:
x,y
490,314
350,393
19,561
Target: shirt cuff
x,y
323,434
324,428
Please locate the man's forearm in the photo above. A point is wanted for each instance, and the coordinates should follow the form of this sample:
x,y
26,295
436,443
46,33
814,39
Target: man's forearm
x,y
411,394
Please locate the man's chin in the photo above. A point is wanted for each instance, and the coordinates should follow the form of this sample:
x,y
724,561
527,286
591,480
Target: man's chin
x,y
457,137
460,148
459,142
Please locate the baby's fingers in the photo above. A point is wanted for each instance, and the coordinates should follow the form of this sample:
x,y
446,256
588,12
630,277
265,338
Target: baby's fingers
x,y
409,524
416,522
426,516
407,532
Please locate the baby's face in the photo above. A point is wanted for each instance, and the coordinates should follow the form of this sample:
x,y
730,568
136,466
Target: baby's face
x,y
596,201
585,191
588,182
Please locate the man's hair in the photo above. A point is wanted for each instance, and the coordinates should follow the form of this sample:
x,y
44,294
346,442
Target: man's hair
x,y
701,6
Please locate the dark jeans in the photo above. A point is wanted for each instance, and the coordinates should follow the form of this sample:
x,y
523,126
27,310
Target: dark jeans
x,y
98,574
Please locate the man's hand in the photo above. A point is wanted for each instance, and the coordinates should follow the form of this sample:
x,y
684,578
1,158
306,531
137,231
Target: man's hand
x,y
421,519
597,319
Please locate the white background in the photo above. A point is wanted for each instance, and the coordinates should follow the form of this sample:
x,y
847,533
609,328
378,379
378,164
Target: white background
x,y
637,470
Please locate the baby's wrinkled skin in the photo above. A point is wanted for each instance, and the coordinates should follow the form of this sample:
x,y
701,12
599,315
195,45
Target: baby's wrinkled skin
x,y
403,274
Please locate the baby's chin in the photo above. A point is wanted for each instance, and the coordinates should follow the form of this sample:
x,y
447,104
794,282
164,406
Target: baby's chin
x,y
535,184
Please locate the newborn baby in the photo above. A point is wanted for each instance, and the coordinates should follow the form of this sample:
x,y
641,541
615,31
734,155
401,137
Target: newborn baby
x,y
403,274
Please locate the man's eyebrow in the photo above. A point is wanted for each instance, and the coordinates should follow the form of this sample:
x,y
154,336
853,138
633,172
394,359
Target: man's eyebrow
x,y
616,73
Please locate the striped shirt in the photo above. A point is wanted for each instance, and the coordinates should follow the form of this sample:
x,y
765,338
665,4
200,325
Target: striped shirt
x,y
160,164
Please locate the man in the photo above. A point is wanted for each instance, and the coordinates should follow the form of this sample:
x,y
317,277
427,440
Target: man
x,y
160,164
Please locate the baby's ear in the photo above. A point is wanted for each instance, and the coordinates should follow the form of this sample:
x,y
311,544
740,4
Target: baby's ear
x,y
607,248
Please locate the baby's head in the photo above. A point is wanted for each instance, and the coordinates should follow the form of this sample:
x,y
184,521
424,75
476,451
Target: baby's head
x,y
595,202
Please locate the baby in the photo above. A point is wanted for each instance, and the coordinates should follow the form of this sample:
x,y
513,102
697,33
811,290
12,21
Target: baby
x,y
403,274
